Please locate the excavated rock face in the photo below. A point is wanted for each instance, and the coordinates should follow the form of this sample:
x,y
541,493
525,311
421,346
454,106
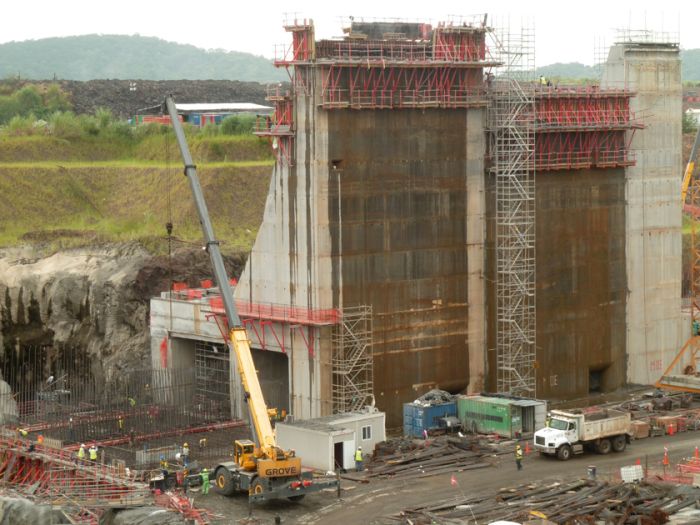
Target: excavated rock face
x,y
95,299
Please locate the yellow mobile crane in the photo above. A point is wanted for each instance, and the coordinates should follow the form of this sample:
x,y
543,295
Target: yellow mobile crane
x,y
260,468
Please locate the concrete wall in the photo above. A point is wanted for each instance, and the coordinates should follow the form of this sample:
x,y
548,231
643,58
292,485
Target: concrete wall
x,y
653,223
399,222
376,211
581,284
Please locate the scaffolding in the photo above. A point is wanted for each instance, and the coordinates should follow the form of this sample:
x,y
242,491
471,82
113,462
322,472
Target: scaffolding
x,y
351,360
511,121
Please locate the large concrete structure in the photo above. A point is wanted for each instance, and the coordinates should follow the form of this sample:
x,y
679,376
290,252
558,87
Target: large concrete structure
x,y
382,199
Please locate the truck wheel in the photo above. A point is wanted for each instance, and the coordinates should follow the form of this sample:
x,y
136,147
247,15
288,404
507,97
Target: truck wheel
x,y
604,447
298,497
564,452
223,483
619,443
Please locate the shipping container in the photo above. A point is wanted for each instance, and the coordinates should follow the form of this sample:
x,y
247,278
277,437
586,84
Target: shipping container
x,y
418,417
504,416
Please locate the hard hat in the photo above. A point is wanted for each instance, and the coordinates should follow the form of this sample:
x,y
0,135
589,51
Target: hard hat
x,y
185,445
359,448
162,456
177,456
205,469
82,445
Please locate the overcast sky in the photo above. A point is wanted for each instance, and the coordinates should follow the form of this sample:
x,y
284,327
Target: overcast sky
x,y
565,31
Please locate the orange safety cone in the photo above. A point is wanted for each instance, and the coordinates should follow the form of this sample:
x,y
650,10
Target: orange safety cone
x,y
671,429
527,448
666,462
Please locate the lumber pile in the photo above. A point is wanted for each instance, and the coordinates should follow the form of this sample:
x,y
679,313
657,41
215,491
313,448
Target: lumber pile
x,y
405,459
580,501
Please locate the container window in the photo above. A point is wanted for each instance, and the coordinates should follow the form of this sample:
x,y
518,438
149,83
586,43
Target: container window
x,y
366,433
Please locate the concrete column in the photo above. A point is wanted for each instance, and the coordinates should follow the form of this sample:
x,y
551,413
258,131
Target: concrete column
x,y
476,238
653,214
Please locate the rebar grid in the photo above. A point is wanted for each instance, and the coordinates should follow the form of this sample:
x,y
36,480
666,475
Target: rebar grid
x,y
511,121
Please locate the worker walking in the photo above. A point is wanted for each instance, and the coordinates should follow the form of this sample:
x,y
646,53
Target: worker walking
x,y
519,456
358,460
120,422
205,481
81,452
185,454
93,453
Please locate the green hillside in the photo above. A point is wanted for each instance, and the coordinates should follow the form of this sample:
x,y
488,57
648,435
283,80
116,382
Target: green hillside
x,y
690,68
129,57
91,190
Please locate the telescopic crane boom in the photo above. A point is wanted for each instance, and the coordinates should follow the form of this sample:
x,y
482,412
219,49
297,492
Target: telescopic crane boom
x,y
261,468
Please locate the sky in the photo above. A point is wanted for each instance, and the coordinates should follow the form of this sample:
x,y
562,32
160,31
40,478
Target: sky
x,y
564,31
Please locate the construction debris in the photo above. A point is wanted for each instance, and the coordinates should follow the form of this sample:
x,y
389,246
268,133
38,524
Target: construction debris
x,y
404,458
581,501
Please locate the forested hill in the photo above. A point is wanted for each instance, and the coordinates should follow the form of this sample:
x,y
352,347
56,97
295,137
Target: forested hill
x,y
129,57
690,68
135,57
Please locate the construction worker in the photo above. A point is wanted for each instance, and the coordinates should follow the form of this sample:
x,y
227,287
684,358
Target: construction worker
x,y
132,402
120,422
202,443
543,80
164,466
81,452
40,439
548,420
185,454
205,481
93,452
358,459
22,433
519,456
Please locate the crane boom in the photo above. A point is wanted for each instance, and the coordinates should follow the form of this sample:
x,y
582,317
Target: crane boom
x,y
690,167
265,438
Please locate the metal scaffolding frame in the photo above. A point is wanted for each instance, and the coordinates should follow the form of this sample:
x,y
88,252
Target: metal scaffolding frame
x,y
351,361
511,121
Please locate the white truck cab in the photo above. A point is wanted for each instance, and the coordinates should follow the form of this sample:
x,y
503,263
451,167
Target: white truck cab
x,y
569,432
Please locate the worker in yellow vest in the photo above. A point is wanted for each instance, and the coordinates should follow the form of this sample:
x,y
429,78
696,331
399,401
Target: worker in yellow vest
x,y
519,456
359,461
93,452
81,452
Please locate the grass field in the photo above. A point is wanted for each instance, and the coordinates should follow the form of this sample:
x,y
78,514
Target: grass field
x,y
71,202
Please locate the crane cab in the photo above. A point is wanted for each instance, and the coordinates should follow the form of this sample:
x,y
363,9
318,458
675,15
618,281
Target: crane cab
x,y
244,454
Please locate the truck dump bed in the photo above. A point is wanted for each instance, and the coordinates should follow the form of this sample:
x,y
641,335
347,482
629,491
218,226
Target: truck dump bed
x,y
605,424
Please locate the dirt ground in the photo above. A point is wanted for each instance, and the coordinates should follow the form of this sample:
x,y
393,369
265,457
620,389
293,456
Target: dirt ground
x,y
375,502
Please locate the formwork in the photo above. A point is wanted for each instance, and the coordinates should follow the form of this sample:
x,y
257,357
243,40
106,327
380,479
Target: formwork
x,y
379,143
581,150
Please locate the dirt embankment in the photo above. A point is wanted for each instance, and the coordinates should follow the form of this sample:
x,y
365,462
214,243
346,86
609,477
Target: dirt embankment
x,y
95,299
126,97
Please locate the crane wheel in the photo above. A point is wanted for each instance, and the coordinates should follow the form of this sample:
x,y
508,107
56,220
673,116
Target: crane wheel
x,y
223,482
257,487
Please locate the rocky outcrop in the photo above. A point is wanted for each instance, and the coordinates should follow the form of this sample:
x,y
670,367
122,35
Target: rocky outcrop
x,y
18,511
95,299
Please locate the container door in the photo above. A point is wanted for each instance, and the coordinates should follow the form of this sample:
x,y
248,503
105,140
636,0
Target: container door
x,y
516,421
349,454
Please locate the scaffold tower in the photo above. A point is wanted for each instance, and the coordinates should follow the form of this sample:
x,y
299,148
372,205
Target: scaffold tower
x,y
352,360
512,145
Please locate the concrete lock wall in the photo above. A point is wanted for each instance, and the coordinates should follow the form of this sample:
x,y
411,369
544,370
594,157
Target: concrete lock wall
x,y
374,212
653,222
399,211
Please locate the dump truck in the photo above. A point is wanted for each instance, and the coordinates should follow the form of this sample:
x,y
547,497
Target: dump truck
x,y
259,468
570,433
